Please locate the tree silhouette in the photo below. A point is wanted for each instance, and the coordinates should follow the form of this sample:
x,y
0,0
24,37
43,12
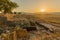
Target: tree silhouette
x,y
7,6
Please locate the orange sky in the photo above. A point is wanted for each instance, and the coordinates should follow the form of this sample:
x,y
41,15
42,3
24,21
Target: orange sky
x,y
37,5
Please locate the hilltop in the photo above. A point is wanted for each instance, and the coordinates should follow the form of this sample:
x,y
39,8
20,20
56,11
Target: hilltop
x,y
31,24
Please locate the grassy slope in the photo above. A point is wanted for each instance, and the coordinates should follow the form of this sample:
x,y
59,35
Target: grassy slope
x,y
38,17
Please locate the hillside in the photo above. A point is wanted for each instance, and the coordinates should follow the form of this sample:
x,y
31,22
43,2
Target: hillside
x,y
34,26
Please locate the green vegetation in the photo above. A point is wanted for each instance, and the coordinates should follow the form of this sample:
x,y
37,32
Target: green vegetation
x,y
6,6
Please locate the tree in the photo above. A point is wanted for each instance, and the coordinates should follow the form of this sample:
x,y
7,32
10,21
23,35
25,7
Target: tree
x,y
7,6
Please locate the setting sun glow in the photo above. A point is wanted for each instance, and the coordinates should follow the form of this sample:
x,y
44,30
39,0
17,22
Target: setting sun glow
x,y
42,10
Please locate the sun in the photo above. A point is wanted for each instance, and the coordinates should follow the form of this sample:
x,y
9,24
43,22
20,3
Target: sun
x,y
42,10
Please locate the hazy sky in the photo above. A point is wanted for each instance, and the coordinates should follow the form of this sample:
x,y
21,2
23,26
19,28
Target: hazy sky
x,y
37,5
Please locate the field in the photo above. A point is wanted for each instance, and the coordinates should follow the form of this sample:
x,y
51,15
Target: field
x,y
30,26
52,18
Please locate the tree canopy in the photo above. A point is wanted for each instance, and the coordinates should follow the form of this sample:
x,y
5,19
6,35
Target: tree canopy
x,y
7,6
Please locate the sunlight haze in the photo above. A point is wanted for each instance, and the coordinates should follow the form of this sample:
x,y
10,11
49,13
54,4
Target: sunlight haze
x,y
37,5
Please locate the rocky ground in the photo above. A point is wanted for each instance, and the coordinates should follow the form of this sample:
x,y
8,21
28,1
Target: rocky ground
x,y
39,29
